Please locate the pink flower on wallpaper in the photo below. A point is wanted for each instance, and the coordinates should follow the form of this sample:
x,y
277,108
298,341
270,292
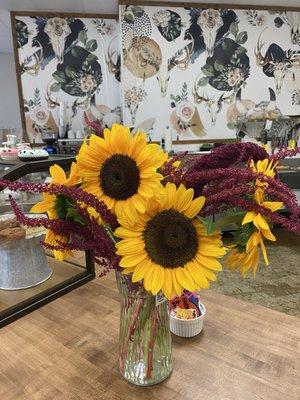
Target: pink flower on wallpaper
x,y
40,115
87,83
261,20
185,111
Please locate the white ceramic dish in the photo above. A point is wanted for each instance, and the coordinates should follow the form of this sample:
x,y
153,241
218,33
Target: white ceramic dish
x,y
8,154
187,327
28,154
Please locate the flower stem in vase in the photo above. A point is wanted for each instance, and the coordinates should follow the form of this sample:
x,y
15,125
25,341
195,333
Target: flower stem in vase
x,y
130,332
153,329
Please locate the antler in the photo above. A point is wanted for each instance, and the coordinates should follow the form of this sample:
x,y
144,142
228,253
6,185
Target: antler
x,y
51,103
33,68
182,63
197,98
113,67
260,59
226,99
294,58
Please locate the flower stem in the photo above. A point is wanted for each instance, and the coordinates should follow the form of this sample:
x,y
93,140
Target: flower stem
x,y
130,332
153,329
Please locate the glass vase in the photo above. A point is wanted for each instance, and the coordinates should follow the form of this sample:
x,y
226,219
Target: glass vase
x,y
145,348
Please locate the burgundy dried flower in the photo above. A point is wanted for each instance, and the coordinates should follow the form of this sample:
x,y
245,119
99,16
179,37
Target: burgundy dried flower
x,y
95,126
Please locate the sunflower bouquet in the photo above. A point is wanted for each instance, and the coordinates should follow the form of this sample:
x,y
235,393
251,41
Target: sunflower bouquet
x,y
150,218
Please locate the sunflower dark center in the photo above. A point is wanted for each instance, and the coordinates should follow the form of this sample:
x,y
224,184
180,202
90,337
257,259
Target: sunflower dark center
x,y
119,177
170,239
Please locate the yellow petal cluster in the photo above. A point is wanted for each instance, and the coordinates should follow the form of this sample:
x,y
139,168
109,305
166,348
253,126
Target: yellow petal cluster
x,y
196,273
47,205
148,158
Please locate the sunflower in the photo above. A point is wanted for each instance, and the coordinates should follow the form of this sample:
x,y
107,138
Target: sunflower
x,y
121,170
265,167
51,205
243,260
259,220
167,247
247,258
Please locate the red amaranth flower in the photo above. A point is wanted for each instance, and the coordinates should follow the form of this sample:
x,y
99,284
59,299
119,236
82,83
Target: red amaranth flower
x,y
94,125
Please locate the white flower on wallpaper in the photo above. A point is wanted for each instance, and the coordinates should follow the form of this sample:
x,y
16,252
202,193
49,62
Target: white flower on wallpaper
x,y
202,71
71,61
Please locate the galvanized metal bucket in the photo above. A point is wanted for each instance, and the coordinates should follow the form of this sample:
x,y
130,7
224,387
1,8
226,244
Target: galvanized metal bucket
x,y
23,264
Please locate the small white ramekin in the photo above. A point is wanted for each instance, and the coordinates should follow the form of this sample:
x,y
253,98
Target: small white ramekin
x,y
187,327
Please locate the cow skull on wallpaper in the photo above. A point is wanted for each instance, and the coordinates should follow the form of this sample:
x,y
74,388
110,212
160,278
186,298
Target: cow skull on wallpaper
x,y
57,29
212,104
210,21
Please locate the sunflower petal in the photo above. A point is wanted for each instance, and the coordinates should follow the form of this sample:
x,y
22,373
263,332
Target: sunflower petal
x,y
167,287
272,205
140,272
57,174
249,217
195,207
132,260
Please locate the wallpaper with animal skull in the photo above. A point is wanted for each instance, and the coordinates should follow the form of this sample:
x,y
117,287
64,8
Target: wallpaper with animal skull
x,y
70,68
201,72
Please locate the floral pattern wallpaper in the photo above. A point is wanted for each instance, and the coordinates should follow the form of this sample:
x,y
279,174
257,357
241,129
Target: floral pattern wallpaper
x,y
200,72
69,60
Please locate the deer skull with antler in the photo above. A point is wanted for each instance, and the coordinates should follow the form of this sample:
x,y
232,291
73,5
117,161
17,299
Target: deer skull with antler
x,y
181,60
143,58
275,62
212,104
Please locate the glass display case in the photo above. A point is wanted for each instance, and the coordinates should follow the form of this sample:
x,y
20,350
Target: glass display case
x,y
24,285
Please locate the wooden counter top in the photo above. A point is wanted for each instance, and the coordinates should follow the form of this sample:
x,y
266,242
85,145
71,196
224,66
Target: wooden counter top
x,y
68,349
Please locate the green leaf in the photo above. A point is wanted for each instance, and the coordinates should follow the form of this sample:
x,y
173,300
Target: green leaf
x,y
218,66
203,81
91,58
76,51
82,36
91,45
129,18
209,225
232,127
137,11
243,234
234,28
55,87
71,212
208,70
70,72
232,211
224,46
59,76
241,50
242,37
230,220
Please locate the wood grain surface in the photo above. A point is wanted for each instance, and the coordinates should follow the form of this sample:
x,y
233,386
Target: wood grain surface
x,y
68,349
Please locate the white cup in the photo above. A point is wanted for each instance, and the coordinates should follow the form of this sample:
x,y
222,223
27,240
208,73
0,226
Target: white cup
x,y
71,134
